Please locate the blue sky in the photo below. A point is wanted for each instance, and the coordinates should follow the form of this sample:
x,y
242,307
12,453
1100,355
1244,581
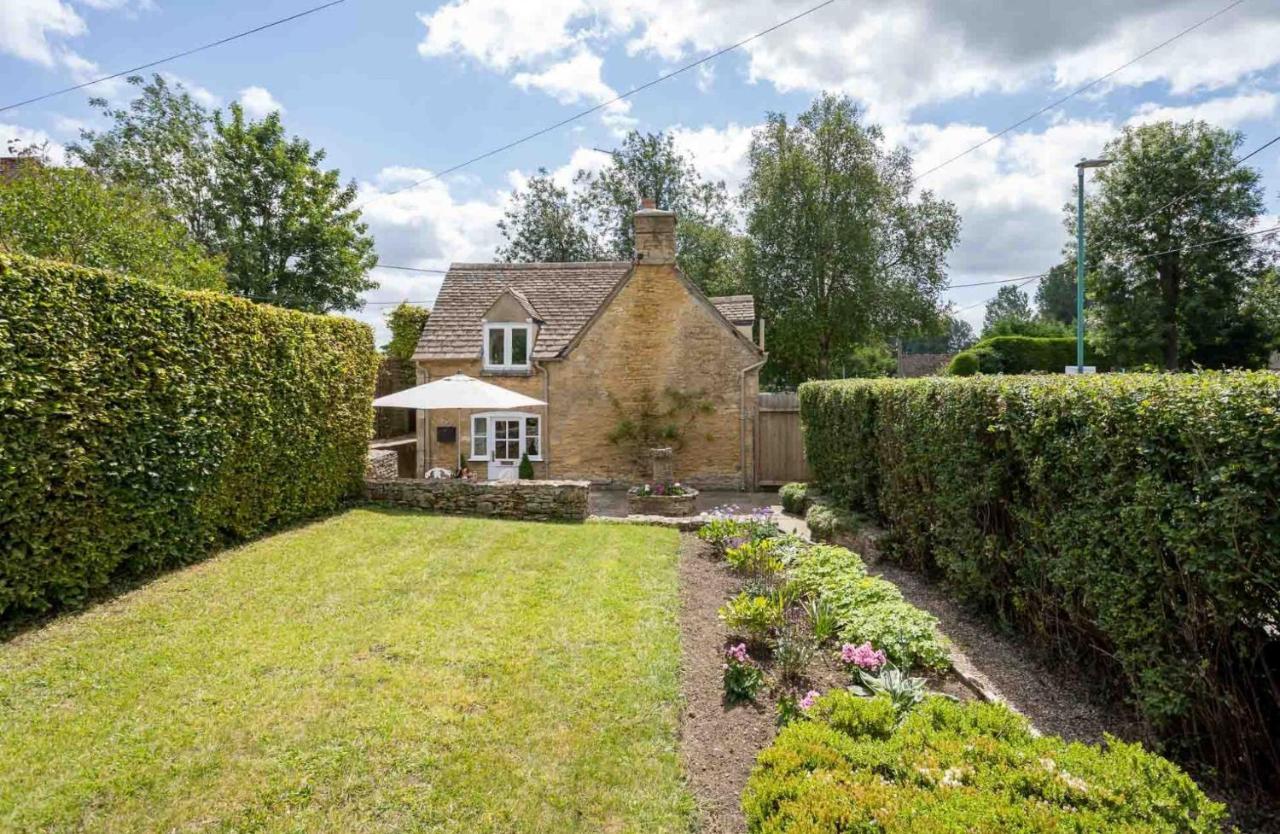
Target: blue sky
x,y
395,90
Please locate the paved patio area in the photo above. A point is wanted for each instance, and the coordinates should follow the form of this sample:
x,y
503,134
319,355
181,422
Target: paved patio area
x,y
613,502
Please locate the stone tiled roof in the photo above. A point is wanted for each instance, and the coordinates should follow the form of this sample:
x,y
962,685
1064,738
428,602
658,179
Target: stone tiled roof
x,y
739,309
564,295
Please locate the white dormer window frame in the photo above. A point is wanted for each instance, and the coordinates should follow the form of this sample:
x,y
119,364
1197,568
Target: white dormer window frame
x,y
500,338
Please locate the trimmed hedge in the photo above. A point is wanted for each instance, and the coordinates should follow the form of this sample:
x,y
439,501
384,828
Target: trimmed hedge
x,y
142,427
1023,355
795,497
1130,523
974,767
826,520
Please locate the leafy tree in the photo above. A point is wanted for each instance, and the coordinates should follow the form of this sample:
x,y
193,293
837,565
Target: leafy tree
x,y
1168,269
544,224
1010,304
840,255
286,227
949,334
67,214
405,322
161,143
548,223
1056,294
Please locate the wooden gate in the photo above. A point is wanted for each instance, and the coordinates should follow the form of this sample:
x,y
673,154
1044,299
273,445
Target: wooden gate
x,y
780,450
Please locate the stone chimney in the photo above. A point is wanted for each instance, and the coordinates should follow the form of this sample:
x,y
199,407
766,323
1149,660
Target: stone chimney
x,y
655,234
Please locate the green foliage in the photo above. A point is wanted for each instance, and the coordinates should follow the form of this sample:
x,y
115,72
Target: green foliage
x,y
902,690
526,468
822,619
793,648
724,533
142,427
67,214
286,229
827,520
1056,294
756,559
795,497
1010,304
964,363
960,767
743,680
543,223
869,609
405,322
841,253
1126,521
753,616
1032,354
1173,187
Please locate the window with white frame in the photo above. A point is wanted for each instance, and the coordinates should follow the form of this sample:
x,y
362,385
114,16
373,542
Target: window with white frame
x,y
506,436
507,346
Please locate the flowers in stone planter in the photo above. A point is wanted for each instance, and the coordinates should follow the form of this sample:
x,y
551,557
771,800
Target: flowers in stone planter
x,y
671,490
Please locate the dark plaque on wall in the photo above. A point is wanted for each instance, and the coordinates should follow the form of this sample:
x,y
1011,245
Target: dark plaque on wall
x,y
446,434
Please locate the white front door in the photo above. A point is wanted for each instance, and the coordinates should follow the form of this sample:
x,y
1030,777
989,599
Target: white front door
x,y
505,464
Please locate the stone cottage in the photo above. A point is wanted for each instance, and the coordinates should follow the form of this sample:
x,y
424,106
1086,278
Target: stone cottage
x,y
603,344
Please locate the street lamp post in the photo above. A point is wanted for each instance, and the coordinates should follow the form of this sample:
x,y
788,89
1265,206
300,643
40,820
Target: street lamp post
x,y
1080,166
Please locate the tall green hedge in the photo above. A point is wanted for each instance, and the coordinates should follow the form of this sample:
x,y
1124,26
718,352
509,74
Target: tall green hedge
x,y
1130,522
142,426
1030,354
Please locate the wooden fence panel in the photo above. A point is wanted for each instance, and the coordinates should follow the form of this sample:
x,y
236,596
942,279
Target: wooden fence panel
x,y
780,450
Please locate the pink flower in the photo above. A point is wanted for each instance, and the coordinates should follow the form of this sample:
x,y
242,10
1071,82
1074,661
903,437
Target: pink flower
x,y
864,657
808,699
738,653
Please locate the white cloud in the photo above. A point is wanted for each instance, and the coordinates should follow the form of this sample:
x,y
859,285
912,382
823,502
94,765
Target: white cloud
x,y
423,227
717,153
893,58
258,102
28,28
1224,111
21,137
578,79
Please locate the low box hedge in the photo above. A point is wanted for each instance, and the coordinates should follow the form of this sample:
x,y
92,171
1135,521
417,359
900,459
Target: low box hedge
x,y
142,426
1128,522
795,497
972,767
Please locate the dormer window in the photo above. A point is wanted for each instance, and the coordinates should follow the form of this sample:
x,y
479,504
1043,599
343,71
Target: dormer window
x,y
507,346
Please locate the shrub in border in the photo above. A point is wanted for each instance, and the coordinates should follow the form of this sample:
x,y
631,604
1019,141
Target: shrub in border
x,y
1128,522
964,363
794,497
826,521
142,426
960,767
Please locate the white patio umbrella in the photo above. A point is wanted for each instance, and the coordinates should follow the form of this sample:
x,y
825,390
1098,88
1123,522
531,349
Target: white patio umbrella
x,y
459,392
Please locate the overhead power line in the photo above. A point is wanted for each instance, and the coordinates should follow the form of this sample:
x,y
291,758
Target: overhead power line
x,y
601,106
1064,99
174,56
1193,192
412,269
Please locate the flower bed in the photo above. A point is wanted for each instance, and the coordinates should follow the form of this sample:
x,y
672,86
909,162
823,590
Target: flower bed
x,y
661,499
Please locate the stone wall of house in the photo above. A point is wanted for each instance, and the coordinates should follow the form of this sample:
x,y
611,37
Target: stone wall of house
x,y
655,335
533,500
382,463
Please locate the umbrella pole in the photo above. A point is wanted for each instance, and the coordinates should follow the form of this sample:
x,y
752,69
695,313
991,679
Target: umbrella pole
x,y
459,437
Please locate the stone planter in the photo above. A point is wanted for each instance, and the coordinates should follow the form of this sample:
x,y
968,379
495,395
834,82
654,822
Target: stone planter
x,y
669,505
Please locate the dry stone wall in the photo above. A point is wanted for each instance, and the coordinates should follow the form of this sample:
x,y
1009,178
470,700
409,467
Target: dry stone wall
x,y
532,500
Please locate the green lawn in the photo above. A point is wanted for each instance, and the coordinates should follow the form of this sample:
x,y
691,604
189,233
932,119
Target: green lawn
x,y
378,671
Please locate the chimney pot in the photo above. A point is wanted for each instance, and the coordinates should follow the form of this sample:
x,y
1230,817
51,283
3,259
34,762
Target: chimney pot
x,y
655,234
